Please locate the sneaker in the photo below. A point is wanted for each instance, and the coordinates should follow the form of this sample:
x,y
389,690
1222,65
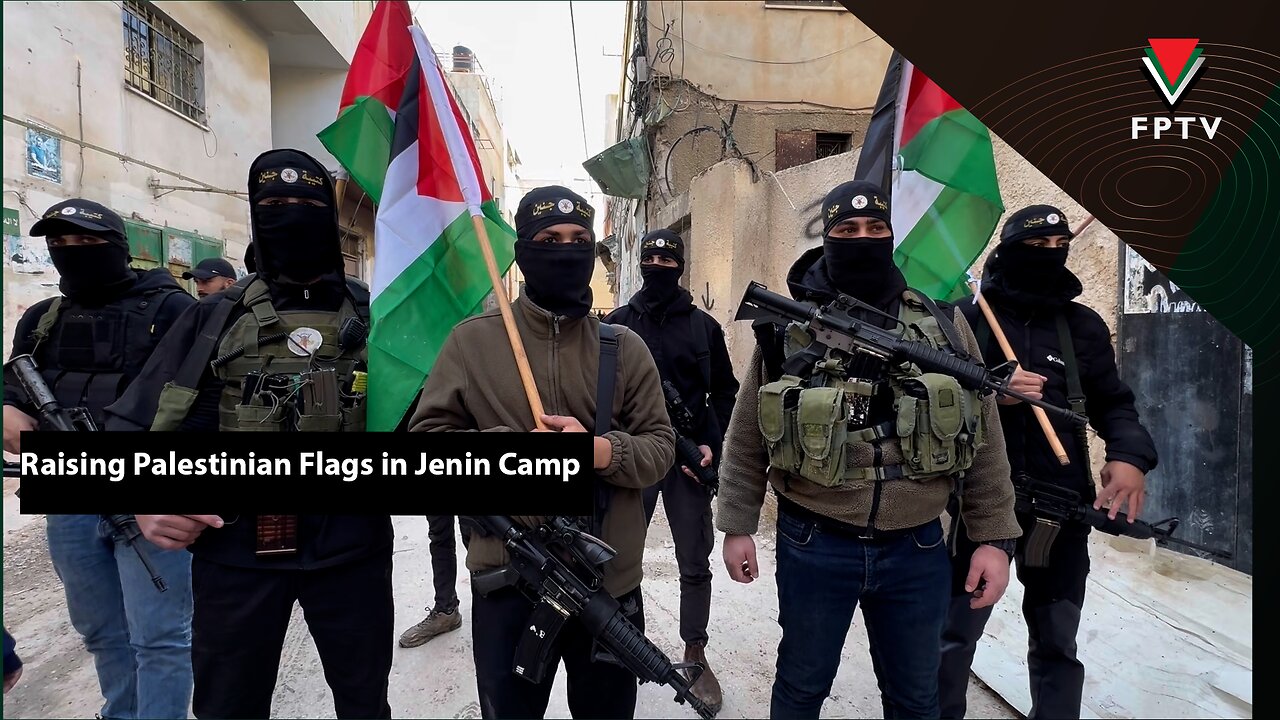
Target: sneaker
x,y
437,622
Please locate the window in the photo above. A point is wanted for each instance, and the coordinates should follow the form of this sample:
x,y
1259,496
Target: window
x,y
833,144
162,60
352,256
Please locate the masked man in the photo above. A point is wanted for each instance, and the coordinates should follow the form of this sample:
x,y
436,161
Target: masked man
x,y
90,343
1065,356
249,570
689,348
555,252
863,456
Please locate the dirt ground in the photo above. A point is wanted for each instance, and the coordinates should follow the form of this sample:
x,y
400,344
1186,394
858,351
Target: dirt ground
x,y
436,680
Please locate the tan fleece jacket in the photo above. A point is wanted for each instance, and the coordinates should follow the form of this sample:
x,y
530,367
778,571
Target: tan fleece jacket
x,y
475,386
986,502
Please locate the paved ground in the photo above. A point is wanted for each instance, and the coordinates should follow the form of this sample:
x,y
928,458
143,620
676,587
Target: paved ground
x,y
436,680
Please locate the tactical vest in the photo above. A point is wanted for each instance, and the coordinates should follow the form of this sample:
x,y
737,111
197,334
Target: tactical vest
x,y
814,428
100,350
282,371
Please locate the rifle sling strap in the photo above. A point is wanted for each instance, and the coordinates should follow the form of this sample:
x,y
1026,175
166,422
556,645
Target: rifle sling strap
x,y
606,384
701,346
197,360
1075,393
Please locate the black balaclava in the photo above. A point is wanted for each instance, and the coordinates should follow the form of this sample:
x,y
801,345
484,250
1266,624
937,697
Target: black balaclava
x,y
250,259
295,243
557,276
661,284
1035,270
90,274
863,267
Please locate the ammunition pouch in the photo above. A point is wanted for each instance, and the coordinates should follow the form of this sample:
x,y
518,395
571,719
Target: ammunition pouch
x,y
777,419
939,425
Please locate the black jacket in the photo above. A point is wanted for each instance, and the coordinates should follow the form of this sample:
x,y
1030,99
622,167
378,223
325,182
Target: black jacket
x,y
324,540
1030,325
156,286
669,334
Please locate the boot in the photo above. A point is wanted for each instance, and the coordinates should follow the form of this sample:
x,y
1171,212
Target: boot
x,y
707,688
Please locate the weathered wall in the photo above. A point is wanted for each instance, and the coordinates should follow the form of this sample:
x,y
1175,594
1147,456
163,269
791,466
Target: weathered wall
x,y
42,43
742,50
679,156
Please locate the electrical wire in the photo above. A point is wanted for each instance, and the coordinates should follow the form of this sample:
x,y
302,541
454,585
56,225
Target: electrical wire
x,y
582,114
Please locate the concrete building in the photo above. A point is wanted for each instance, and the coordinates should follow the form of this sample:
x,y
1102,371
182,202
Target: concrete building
x,y
699,95
156,109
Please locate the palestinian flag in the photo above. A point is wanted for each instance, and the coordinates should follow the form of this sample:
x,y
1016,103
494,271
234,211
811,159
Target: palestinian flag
x,y
429,271
945,197
361,136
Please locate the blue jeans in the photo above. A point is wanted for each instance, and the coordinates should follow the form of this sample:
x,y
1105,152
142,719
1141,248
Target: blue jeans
x,y
903,584
140,638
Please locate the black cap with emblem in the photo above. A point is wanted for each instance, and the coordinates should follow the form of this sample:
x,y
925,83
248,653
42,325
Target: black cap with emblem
x,y
1035,221
663,242
293,209
78,216
552,205
856,198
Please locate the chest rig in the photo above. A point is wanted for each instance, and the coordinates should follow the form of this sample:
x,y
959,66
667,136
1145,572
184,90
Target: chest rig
x,y
89,355
290,370
281,371
833,425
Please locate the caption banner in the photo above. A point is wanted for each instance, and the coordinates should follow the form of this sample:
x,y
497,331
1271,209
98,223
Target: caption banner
x,y
496,473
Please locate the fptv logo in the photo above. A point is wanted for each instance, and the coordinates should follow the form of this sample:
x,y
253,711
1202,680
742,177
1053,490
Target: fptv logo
x,y
1173,65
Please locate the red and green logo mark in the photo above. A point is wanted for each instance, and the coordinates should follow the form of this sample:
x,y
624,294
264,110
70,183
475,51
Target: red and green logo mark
x,y
1174,64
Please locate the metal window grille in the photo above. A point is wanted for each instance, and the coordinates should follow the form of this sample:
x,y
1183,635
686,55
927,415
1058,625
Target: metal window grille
x,y
162,60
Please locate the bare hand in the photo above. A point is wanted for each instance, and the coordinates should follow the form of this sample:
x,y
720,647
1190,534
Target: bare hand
x,y
11,679
562,423
1027,383
15,422
706,460
1122,483
740,558
175,532
992,565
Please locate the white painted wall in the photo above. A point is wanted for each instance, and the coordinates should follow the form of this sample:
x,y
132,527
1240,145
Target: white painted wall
x,y
304,101
42,44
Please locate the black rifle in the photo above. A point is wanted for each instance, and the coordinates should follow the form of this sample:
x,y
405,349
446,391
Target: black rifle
x,y
833,328
1052,505
78,419
558,566
687,451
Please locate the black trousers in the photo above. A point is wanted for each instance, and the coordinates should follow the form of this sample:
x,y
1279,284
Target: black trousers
x,y
444,560
1052,601
688,507
596,689
239,624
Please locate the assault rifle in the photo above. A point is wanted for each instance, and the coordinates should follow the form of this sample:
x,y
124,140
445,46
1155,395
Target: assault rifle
x,y
559,567
1052,505
687,451
124,527
834,328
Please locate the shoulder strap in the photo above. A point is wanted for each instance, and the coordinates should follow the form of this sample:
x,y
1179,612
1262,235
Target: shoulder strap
x,y
46,323
982,333
944,323
767,337
702,347
607,380
606,383
1075,392
193,366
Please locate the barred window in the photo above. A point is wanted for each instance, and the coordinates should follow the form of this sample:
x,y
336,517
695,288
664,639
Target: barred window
x,y
162,60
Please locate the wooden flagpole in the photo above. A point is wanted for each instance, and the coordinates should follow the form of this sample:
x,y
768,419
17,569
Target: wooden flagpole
x,y
998,332
508,319
504,303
